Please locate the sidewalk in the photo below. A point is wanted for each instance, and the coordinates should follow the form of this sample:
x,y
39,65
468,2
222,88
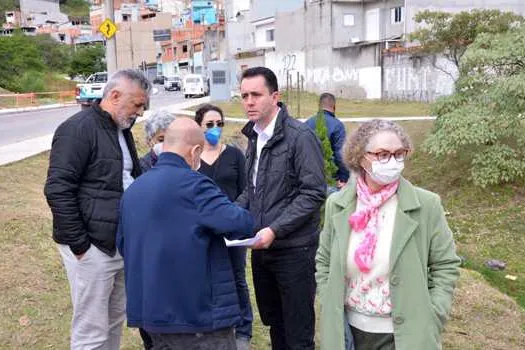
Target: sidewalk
x,y
27,148
38,108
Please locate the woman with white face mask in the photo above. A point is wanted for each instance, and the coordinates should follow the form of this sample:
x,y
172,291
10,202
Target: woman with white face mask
x,y
155,128
386,263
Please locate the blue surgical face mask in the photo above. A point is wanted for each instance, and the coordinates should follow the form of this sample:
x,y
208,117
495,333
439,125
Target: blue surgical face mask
x,y
213,135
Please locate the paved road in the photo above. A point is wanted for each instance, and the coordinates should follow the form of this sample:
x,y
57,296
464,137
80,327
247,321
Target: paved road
x,y
17,127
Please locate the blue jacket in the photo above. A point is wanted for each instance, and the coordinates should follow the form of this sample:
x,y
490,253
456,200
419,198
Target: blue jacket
x,y
337,135
178,273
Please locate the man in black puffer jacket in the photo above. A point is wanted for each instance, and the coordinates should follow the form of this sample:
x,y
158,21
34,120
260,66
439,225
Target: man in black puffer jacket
x,y
93,160
285,191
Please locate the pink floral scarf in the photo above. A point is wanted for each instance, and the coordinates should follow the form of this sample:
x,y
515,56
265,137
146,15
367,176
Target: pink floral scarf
x,y
365,221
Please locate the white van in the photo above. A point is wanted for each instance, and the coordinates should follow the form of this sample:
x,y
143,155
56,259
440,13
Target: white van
x,y
195,85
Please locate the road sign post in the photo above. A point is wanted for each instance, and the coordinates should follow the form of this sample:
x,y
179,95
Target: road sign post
x,y
108,27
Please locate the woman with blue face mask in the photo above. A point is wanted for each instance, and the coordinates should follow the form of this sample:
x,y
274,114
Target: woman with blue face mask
x,y
224,164
386,263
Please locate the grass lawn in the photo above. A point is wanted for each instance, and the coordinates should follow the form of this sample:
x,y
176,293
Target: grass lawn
x,y
345,108
489,223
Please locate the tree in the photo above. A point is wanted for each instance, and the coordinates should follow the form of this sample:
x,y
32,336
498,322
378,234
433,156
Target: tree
x,y
87,60
451,34
75,8
322,132
56,55
19,55
484,121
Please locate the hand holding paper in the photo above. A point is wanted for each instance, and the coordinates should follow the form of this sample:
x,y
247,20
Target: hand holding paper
x,y
266,237
243,242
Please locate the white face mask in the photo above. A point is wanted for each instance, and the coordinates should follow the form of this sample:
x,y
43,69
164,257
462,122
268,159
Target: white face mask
x,y
157,148
386,173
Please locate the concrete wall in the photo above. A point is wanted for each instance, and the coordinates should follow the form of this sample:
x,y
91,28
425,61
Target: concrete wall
x,y
345,35
41,11
416,78
240,34
351,72
262,9
241,64
135,41
261,39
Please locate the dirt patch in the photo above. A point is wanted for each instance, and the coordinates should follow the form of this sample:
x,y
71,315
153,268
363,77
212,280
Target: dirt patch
x,y
483,318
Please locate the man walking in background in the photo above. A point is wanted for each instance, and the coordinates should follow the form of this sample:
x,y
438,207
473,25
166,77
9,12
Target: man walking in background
x,y
285,190
336,134
93,160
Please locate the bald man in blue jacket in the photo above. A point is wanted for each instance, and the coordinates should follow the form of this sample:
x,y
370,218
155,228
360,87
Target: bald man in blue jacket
x,y
179,280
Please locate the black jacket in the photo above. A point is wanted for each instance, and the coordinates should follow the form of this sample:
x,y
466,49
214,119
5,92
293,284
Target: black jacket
x,y
291,186
84,181
148,161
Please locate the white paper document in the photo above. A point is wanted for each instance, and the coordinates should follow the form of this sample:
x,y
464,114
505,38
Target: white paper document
x,y
242,242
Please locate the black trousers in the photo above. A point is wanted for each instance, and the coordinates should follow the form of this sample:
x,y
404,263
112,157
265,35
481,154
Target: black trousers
x,y
372,341
284,283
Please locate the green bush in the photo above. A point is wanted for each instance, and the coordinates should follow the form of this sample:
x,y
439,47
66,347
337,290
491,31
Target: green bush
x,y
328,155
32,81
484,121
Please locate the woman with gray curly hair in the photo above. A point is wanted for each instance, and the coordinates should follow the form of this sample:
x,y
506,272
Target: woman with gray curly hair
x,y
155,127
386,263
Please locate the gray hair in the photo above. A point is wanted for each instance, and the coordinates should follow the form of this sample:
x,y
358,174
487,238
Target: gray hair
x,y
158,121
356,144
130,75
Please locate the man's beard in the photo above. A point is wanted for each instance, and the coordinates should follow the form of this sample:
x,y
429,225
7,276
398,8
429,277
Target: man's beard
x,y
125,122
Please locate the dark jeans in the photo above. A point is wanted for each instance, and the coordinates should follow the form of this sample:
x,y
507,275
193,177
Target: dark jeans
x,y
238,261
285,290
372,341
223,339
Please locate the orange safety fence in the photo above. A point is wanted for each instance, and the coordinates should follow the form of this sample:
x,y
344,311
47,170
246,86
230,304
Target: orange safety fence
x,y
35,99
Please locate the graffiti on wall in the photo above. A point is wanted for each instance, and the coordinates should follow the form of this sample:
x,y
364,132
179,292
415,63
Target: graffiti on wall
x,y
419,80
324,77
345,81
283,64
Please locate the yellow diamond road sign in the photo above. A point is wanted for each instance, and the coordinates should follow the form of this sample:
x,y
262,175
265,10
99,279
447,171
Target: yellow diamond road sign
x,y
108,28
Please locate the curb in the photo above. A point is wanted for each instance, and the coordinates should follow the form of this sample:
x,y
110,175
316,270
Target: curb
x,y
39,108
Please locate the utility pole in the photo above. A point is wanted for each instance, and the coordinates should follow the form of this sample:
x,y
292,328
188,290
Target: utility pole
x,y
111,43
131,46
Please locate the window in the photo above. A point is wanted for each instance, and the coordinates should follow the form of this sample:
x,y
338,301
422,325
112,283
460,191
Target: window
x,y
348,20
270,35
184,48
397,15
100,78
125,18
218,77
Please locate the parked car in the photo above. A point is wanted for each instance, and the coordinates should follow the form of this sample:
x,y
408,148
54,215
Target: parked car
x,y
172,83
159,79
91,90
195,85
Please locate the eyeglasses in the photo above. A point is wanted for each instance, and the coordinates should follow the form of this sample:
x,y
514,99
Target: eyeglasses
x,y
212,124
385,156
